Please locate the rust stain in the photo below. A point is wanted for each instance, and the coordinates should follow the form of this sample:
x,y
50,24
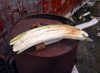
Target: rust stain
x,y
45,6
1,27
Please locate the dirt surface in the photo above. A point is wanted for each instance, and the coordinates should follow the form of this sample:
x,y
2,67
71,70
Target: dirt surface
x,y
88,53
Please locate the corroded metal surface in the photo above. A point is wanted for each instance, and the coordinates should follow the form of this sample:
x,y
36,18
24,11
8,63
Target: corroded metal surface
x,y
58,57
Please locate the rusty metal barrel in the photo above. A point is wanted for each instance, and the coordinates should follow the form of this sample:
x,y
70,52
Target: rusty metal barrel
x,y
58,57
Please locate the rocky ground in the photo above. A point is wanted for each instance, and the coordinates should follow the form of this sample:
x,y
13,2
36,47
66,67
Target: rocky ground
x,y
88,53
